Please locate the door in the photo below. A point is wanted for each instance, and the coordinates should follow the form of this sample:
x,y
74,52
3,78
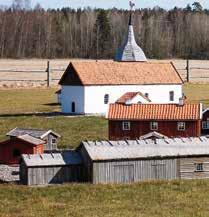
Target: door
x,y
159,171
123,173
73,107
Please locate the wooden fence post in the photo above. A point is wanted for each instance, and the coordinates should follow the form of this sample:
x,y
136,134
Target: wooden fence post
x,y
48,70
188,71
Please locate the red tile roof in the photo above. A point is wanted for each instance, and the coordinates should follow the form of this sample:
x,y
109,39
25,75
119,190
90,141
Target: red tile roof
x,y
154,112
130,96
119,73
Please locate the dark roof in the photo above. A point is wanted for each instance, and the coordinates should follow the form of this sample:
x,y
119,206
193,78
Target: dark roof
x,y
58,92
155,112
32,132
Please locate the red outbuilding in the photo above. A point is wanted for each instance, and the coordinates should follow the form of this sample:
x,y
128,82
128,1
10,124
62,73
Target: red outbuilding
x,y
131,121
12,149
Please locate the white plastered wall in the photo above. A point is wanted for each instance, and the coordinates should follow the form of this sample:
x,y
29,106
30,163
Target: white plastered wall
x,y
90,99
72,94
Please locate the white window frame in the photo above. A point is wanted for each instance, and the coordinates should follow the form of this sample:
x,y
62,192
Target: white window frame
x,y
199,167
205,125
152,125
181,126
106,99
171,96
126,125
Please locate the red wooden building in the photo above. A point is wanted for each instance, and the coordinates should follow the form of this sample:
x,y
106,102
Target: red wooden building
x,y
172,120
11,149
205,122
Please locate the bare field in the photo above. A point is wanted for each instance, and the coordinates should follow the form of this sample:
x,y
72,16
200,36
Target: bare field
x,y
38,79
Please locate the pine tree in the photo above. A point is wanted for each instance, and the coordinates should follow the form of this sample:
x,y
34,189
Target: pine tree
x,y
102,35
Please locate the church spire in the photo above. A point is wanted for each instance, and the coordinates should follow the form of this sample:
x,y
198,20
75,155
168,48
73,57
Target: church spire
x,y
130,19
130,51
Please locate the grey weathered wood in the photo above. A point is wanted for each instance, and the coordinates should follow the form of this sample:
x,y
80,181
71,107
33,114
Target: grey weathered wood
x,y
134,171
188,169
48,74
188,71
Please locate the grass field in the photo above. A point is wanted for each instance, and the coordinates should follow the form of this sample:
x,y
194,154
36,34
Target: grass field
x,y
156,199
72,130
15,104
151,199
14,101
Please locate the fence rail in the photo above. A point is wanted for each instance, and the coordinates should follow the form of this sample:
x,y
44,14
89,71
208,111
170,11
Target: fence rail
x,y
186,73
48,72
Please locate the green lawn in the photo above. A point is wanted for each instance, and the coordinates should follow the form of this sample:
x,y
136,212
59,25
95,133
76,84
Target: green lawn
x,y
197,93
150,199
16,101
155,199
72,129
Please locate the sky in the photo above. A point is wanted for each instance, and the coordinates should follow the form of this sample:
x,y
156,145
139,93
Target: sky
x,y
167,4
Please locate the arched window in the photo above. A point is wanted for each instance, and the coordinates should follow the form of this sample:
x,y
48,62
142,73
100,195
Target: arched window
x,y
73,107
106,98
171,96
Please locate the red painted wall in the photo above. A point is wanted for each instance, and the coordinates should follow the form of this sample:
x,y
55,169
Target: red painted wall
x,y
205,117
7,148
140,128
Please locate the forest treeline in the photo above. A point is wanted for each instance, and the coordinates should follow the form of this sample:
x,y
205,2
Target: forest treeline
x,y
69,33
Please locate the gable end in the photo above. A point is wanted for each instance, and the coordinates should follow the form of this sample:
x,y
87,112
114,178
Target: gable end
x,y
70,77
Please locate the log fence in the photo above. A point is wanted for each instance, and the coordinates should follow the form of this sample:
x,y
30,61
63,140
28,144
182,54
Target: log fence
x,y
187,75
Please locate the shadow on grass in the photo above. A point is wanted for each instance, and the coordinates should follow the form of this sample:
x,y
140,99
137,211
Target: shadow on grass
x,y
52,104
39,114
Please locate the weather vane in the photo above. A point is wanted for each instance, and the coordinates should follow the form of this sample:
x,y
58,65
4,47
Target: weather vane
x,y
132,5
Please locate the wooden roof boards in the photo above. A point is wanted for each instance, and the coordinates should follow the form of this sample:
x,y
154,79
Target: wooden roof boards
x,y
134,149
86,73
16,132
52,159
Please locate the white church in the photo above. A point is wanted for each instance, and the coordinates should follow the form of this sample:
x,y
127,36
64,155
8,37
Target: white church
x,y
88,87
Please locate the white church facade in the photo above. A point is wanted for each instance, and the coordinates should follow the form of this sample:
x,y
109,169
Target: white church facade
x,y
88,87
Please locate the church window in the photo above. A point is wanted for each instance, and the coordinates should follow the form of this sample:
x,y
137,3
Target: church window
x,y
171,96
106,98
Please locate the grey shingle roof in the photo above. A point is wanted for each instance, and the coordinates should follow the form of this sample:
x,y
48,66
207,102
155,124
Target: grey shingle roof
x,y
154,134
32,132
115,150
53,159
31,139
130,51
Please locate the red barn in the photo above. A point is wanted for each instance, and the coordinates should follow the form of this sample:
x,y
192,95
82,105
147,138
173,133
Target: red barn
x,y
172,120
12,149
205,122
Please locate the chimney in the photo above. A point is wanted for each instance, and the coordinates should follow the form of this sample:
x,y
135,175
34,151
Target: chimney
x,y
181,101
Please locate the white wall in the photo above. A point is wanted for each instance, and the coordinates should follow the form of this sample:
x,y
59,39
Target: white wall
x,y
72,94
94,95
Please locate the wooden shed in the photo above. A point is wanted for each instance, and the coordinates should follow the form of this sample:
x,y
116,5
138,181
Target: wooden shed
x,y
54,168
139,160
11,149
49,136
